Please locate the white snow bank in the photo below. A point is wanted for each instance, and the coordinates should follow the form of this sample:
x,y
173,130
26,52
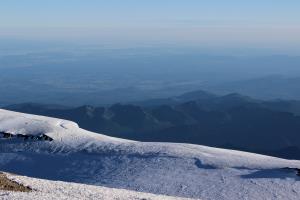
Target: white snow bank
x,y
60,130
49,190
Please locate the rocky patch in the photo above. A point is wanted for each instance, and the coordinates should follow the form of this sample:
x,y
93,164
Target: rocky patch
x,y
40,137
9,185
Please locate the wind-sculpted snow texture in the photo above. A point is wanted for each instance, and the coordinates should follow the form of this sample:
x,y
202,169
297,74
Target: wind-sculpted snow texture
x,y
49,190
181,170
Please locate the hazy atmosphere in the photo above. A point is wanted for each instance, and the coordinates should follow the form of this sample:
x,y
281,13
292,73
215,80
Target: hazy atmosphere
x,y
121,51
272,25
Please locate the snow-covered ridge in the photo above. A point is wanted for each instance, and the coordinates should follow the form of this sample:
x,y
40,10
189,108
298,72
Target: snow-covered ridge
x,y
64,132
25,124
182,170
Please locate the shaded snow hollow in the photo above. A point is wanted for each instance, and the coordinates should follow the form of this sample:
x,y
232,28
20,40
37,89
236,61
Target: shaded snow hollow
x,y
182,170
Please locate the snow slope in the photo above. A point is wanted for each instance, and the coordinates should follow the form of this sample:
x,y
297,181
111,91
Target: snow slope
x,y
183,170
49,190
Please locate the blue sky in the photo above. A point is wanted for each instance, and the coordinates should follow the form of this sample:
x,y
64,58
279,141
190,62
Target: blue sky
x,y
271,23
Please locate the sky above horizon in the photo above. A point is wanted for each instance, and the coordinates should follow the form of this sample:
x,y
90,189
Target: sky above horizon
x,y
235,23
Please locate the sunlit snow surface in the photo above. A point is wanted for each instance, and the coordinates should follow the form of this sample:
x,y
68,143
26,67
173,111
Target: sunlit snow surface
x,y
52,190
181,170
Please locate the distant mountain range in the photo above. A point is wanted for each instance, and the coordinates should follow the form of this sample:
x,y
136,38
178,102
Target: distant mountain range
x,y
232,121
267,87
